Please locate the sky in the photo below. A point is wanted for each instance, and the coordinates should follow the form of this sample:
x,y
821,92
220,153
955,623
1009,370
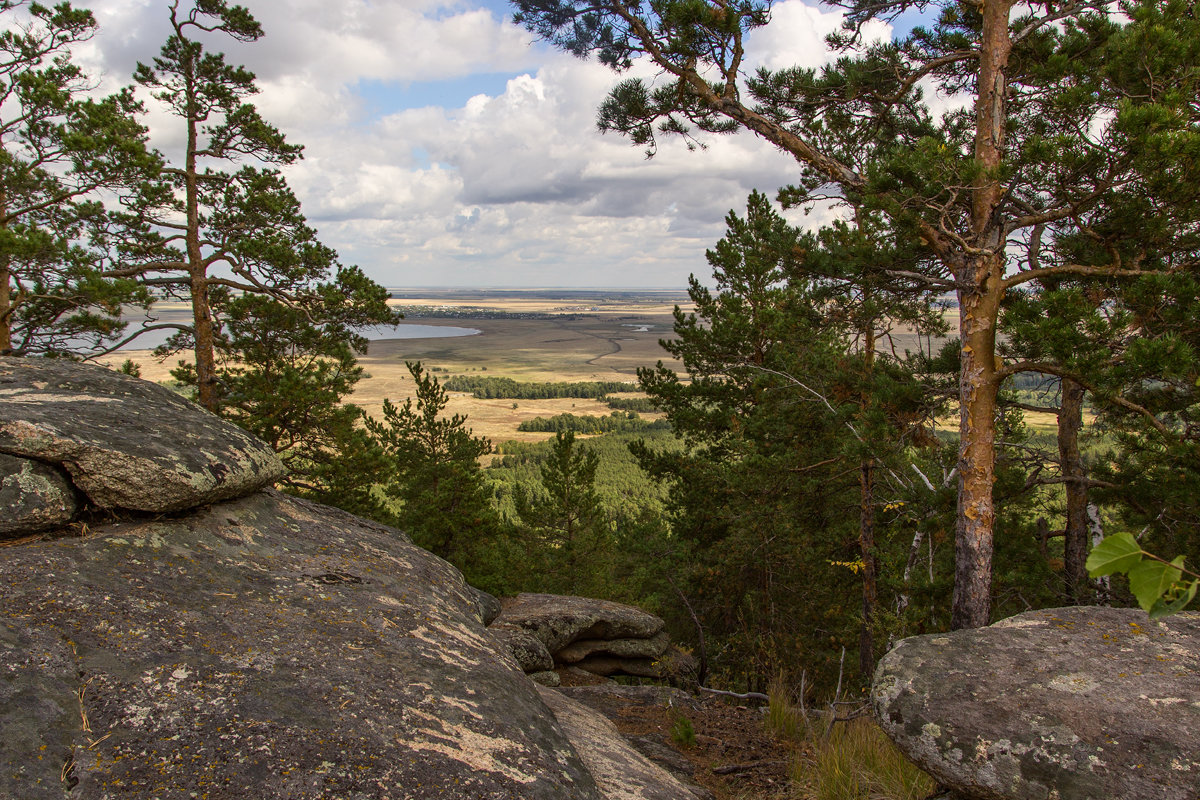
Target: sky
x,y
446,147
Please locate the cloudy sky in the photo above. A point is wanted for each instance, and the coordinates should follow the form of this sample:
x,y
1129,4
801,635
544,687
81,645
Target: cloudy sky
x,y
445,147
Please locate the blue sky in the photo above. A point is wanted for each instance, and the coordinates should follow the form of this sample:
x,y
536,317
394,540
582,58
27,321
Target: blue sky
x,y
444,147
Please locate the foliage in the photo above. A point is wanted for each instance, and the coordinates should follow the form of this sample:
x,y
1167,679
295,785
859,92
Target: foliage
x,y
490,388
62,154
640,405
285,378
683,733
1159,585
617,421
217,227
1078,123
434,476
563,519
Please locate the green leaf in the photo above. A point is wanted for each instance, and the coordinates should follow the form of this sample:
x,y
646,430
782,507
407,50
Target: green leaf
x,y
1164,608
1150,580
1119,552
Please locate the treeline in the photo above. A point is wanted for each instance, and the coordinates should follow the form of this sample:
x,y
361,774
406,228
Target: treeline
x,y
623,422
641,405
493,388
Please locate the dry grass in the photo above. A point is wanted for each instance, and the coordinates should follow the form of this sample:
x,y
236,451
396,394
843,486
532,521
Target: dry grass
x,y
605,345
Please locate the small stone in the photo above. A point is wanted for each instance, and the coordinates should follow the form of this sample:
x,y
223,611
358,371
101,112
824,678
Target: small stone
x,y
35,497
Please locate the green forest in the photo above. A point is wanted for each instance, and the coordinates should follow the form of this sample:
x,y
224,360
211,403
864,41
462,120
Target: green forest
x,y
813,491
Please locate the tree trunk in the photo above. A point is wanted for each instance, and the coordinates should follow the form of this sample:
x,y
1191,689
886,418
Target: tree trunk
x,y
6,309
203,339
980,291
6,299
1070,421
976,463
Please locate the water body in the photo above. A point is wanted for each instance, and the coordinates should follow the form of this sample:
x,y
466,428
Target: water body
x,y
376,333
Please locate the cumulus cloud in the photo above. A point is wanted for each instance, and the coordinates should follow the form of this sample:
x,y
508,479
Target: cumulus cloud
x,y
512,187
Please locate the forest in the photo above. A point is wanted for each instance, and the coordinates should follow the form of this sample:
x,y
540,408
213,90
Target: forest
x,y
816,489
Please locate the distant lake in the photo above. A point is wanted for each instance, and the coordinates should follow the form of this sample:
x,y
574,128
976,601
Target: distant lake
x,y
376,333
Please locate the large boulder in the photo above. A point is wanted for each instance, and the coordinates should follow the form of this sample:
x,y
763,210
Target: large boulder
x,y
1062,704
574,634
265,647
559,620
126,443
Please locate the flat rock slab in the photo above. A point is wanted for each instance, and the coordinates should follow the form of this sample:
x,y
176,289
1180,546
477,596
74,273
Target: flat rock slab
x,y
126,443
263,648
1061,704
33,497
621,771
653,647
559,620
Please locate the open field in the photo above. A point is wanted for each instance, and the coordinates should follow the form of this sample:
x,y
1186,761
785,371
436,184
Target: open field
x,y
592,338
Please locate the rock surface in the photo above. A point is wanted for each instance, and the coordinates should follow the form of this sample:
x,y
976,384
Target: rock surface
x,y
622,772
1061,704
579,633
126,443
263,647
34,497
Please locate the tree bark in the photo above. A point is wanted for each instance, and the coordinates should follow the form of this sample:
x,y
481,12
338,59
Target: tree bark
x,y
6,299
203,338
981,288
1070,421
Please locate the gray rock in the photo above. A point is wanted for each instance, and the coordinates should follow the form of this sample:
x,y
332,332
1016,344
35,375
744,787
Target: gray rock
x,y
653,647
526,649
489,606
560,620
621,771
547,678
610,665
127,443
34,496
265,648
1067,703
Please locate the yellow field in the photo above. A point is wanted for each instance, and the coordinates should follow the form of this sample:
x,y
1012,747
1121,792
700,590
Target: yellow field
x,y
582,342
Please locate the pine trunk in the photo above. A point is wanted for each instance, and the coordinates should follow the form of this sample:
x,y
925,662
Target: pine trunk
x,y
6,300
203,338
976,461
980,276
1070,421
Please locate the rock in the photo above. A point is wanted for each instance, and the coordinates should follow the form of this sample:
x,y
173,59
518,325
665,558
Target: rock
x,y
265,647
126,443
560,620
489,606
528,651
546,678
573,677
607,665
34,496
653,647
621,771
1065,703
610,699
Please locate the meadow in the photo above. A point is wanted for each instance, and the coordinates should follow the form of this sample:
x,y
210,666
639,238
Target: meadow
x,y
536,336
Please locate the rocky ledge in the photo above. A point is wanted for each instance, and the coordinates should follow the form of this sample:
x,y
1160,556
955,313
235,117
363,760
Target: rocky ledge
x,y
261,646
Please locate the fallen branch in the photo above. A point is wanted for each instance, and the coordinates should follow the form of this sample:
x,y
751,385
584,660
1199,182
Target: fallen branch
x,y
745,696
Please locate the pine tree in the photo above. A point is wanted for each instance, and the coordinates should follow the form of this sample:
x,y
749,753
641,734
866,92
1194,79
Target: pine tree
x,y
215,225
1059,126
434,476
62,154
564,517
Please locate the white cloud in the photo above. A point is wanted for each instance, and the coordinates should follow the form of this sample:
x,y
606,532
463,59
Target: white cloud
x,y
507,188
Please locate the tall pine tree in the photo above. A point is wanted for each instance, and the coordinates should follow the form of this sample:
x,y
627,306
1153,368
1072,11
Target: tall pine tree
x,y
1050,136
